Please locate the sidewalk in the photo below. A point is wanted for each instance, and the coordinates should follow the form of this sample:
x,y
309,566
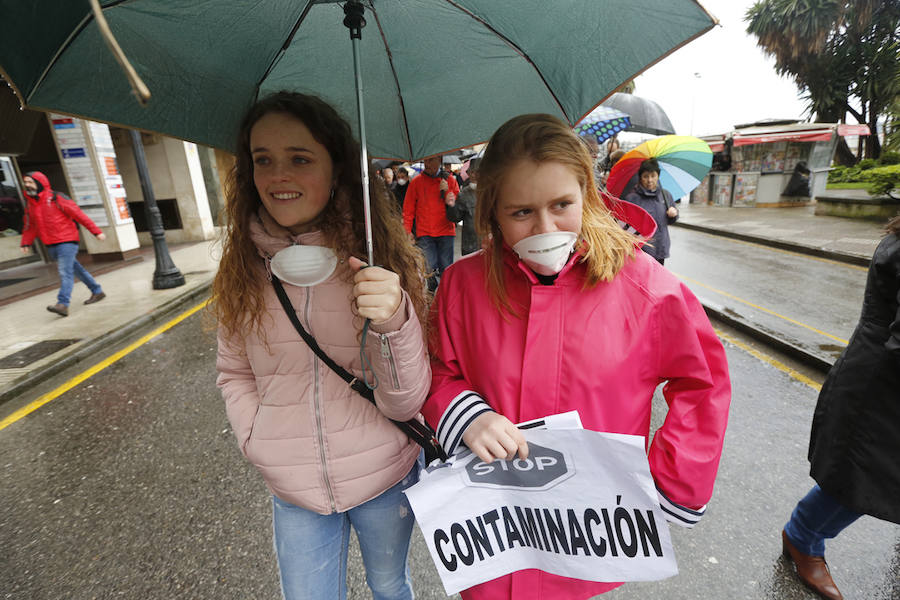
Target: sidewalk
x,y
798,229
37,344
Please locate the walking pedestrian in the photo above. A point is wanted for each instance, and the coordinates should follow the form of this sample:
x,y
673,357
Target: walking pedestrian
x,y
53,218
402,184
561,312
854,447
331,459
657,201
463,209
424,207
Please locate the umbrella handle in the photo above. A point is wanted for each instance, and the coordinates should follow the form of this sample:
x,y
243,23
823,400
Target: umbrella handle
x,y
137,84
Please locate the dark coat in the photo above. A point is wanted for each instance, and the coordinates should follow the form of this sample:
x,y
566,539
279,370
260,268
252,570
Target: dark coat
x,y
464,210
854,447
656,203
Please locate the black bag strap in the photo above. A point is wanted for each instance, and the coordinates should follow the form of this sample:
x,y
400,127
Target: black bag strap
x,y
419,432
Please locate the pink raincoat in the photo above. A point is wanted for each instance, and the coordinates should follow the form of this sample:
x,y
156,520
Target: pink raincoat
x,y
601,351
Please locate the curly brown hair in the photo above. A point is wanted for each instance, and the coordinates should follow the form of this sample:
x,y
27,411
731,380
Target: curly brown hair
x,y
893,226
544,138
238,286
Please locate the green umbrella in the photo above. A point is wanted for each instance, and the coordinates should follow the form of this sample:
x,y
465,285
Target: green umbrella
x,y
206,62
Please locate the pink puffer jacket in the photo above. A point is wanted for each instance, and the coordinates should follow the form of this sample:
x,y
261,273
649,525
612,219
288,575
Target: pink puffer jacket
x,y
317,443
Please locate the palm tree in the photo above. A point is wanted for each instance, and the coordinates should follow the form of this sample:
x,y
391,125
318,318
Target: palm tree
x,y
843,55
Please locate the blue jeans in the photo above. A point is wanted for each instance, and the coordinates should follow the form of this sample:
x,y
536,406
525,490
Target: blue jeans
x,y
69,267
816,518
438,252
312,548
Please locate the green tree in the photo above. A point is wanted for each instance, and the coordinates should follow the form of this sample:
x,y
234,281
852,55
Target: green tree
x,y
892,125
843,55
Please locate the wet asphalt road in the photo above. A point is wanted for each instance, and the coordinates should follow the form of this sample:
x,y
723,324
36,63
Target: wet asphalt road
x,y
811,302
130,485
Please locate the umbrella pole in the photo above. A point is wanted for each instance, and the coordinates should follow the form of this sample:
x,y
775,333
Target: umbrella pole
x,y
354,21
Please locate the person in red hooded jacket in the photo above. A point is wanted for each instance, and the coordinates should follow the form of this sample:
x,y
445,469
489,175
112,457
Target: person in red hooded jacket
x,y
51,217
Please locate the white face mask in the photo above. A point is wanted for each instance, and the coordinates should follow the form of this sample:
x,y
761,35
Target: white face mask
x,y
546,253
304,266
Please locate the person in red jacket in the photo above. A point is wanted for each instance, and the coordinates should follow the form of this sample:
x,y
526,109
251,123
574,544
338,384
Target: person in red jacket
x,y
424,206
51,217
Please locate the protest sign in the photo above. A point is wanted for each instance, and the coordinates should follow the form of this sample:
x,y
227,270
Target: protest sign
x,y
582,505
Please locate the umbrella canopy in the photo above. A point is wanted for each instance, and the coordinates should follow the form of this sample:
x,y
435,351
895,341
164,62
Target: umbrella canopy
x,y
602,123
646,115
207,62
683,162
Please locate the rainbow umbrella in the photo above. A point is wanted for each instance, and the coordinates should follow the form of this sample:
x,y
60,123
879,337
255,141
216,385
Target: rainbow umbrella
x,y
603,122
683,163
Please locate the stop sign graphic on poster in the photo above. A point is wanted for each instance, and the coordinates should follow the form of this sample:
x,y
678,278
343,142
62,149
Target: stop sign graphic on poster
x,y
543,469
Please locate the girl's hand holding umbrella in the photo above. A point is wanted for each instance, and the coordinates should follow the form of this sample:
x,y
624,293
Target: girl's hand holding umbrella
x,y
377,293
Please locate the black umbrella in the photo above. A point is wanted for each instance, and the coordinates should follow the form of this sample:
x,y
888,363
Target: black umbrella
x,y
646,115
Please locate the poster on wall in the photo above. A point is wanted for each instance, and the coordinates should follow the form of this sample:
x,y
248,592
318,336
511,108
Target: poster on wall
x,y
722,189
773,157
745,185
106,156
796,152
752,156
737,158
700,195
76,159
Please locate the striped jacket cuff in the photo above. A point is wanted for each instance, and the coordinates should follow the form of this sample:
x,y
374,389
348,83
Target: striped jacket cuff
x,y
680,515
456,419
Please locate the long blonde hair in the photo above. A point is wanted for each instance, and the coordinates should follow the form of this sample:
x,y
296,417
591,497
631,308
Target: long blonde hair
x,y
238,285
544,138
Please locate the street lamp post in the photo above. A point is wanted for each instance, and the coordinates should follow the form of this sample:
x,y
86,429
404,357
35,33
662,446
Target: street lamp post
x,y
166,274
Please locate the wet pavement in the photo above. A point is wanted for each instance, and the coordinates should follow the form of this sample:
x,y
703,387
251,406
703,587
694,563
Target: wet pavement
x,y
810,303
131,485
31,338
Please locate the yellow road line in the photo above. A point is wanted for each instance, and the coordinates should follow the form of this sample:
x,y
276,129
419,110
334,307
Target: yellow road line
x,y
783,251
765,310
769,360
30,408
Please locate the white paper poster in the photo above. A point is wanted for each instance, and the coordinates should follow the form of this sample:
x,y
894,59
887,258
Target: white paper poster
x,y
582,505
74,146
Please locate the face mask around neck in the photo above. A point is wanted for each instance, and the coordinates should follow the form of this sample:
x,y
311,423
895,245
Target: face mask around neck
x,y
304,266
546,253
